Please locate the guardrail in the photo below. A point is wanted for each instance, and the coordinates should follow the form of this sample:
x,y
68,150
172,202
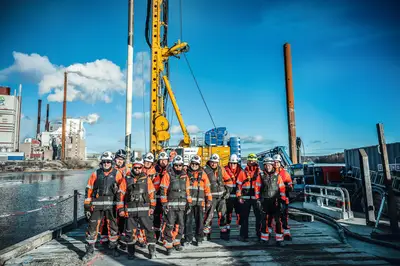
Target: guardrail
x,y
377,178
332,201
46,236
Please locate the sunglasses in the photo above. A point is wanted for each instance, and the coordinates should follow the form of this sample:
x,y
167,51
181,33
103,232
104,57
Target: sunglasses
x,y
107,161
178,165
137,168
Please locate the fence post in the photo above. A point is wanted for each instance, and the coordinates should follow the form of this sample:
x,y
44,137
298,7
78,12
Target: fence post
x,y
367,188
391,200
75,208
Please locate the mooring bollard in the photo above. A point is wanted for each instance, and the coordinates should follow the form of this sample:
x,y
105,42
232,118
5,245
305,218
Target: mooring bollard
x,y
75,208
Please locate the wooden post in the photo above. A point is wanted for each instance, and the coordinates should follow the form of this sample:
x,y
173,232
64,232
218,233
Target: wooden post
x,y
76,208
367,188
391,200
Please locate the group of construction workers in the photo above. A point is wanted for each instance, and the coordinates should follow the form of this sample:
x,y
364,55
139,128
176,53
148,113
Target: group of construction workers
x,y
165,200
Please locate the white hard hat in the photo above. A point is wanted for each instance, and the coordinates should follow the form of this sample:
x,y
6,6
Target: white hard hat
x,y
234,158
196,159
149,157
268,160
277,158
106,156
163,156
137,161
177,160
214,158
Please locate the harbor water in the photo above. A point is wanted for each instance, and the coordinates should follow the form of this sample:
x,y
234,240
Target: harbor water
x,y
28,199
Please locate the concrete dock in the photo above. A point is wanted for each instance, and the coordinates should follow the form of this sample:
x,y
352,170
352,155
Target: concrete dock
x,y
313,243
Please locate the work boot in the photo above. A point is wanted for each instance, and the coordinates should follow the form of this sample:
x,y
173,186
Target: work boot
x,y
89,252
169,251
114,249
243,239
178,247
152,250
131,251
288,237
158,235
280,243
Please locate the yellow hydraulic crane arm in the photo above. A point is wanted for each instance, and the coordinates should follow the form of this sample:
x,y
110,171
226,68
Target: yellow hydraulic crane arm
x,y
159,124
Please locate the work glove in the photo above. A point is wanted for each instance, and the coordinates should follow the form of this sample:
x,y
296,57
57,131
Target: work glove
x,y
259,205
241,201
151,212
88,214
188,210
226,195
122,213
209,204
165,209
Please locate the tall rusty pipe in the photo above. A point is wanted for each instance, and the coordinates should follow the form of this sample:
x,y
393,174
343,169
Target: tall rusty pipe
x,y
38,117
290,102
64,118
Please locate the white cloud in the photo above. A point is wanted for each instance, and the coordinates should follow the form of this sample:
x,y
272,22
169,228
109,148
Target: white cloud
x,y
192,129
140,115
175,130
34,65
90,82
91,118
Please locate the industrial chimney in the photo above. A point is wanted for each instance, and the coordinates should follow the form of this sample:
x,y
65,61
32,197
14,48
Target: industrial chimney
x,y
38,119
47,125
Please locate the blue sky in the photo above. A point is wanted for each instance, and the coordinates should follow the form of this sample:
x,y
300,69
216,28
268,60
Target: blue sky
x,y
344,54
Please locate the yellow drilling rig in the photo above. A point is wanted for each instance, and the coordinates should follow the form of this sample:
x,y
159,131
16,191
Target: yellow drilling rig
x,y
160,89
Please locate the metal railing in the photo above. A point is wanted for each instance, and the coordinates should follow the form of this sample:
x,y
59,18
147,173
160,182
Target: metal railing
x,y
61,199
377,178
333,201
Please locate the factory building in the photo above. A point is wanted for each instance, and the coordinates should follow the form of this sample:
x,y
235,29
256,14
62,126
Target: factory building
x,y
10,118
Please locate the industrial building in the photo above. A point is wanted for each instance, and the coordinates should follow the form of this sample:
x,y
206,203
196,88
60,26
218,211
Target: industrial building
x,y
47,144
10,118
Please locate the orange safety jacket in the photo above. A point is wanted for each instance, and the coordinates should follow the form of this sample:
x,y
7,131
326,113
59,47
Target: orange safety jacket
x,y
175,190
287,180
234,176
248,185
105,189
140,196
125,171
199,187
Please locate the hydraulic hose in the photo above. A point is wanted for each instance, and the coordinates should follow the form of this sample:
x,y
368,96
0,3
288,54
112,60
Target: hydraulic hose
x,y
147,28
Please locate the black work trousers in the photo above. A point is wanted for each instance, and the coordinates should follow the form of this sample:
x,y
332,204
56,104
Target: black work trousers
x,y
219,205
94,224
285,216
158,214
271,210
196,214
232,204
244,217
135,223
174,216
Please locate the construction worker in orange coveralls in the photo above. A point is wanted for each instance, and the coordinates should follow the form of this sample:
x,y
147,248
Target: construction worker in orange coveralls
x,y
272,195
105,190
287,180
175,200
234,170
248,194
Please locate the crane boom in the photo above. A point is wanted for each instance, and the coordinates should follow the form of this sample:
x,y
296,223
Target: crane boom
x,y
160,53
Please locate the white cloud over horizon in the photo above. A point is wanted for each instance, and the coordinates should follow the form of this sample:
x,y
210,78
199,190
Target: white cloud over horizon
x,y
90,82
